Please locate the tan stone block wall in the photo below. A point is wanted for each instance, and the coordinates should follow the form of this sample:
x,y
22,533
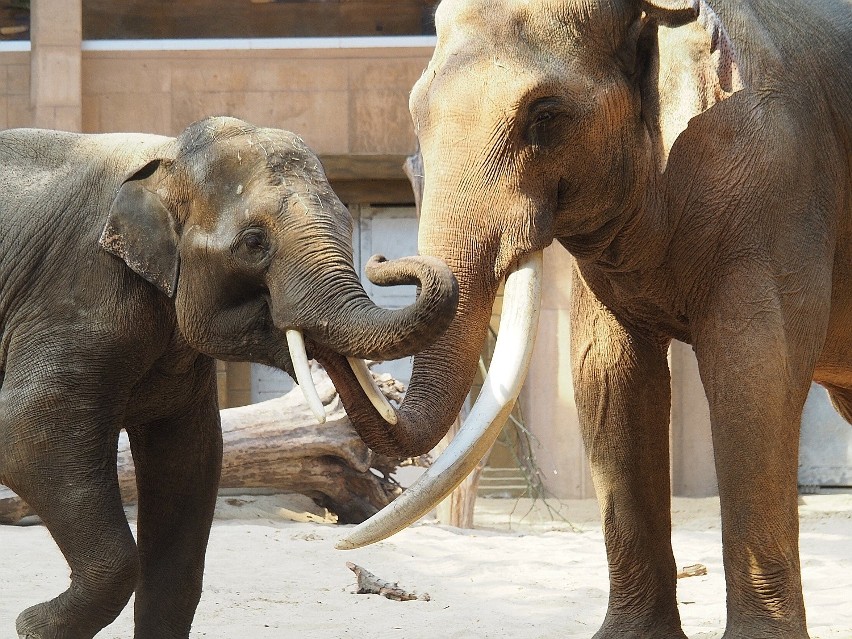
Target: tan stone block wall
x,y
48,30
342,101
56,76
379,116
238,384
15,90
233,383
693,469
56,64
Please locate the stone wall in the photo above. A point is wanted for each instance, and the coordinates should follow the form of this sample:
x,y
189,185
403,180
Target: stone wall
x,y
15,108
342,101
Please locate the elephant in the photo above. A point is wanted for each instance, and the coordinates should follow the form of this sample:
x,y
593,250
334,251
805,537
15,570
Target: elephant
x,y
695,158
128,262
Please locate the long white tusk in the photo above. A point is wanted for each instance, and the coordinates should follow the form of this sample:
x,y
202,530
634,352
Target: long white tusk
x,y
518,324
296,345
371,390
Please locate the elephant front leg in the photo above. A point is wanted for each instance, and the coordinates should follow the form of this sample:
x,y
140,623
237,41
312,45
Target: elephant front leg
x,y
622,390
178,462
61,459
756,373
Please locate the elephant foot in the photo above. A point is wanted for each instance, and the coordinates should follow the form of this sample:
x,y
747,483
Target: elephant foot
x,y
45,621
639,634
633,630
763,632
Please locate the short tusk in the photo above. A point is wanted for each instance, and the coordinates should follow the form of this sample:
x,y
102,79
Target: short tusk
x,y
515,341
296,345
368,384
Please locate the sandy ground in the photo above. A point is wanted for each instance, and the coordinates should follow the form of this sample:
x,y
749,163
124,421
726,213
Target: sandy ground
x,y
528,572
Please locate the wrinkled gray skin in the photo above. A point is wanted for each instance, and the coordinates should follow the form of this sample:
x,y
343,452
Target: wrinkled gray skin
x,y
566,120
127,262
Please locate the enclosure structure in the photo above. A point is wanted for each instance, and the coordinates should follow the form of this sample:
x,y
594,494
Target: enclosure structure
x,y
338,73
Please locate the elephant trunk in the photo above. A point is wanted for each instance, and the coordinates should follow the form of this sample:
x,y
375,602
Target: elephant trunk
x,y
439,384
355,327
319,295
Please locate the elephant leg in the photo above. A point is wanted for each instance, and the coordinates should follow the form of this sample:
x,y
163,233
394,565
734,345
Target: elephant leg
x,y
622,388
177,472
61,459
756,362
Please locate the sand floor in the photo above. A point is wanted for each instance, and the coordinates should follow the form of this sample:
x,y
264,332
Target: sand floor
x,y
529,571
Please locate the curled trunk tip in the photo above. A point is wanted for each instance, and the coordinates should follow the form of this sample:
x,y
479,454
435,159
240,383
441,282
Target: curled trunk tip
x,y
361,329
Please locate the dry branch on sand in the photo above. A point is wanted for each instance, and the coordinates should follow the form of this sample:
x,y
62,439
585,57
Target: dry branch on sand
x,y
278,445
370,584
693,570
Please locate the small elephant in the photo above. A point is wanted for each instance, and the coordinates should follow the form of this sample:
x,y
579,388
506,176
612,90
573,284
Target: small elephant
x,y
695,157
127,263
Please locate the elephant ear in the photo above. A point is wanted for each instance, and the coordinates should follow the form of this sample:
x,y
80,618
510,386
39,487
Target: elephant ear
x,y
692,65
142,231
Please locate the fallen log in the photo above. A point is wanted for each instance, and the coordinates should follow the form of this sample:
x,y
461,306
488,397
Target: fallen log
x,y
278,445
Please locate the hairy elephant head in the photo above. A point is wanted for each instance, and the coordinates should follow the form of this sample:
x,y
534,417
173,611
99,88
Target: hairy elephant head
x,y
240,226
538,121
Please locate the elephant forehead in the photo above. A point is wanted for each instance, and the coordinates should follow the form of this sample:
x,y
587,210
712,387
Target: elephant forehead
x,y
493,57
243,156
477,91
530,31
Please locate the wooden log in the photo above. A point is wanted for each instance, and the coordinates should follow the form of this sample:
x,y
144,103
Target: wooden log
x,y
278,445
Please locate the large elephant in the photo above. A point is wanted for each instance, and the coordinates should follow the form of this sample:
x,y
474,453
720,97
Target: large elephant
x,y
127,263
695,157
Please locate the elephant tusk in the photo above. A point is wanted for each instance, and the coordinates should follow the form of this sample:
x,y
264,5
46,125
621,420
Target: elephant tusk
x,y
296,345
509,366
368,385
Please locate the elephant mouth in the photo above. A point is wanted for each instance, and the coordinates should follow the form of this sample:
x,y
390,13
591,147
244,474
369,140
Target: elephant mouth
x,y
349,373
590,245
347,328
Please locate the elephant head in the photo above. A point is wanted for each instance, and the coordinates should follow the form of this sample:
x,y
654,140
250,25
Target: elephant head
x,y
240,226
537,121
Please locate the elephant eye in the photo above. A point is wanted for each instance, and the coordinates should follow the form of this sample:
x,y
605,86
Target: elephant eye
x,y
252,245
543,126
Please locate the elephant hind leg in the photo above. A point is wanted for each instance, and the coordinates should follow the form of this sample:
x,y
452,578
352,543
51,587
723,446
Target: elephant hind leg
x,y
178,462
841,398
